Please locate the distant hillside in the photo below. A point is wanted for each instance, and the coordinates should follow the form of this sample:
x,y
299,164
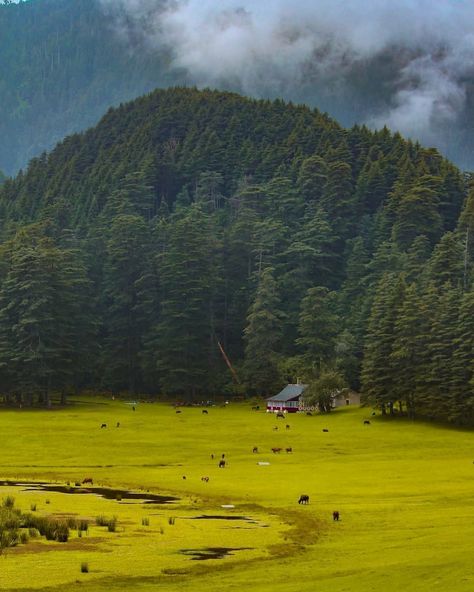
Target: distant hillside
x,y
186,221
62,66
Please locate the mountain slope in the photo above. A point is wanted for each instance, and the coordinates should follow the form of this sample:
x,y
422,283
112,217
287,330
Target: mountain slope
x,y
188,219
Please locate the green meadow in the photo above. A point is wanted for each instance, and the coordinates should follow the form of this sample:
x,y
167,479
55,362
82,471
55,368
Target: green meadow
x,y
404,491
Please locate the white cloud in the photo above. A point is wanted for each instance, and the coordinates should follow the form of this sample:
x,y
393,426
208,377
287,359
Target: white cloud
x,y
274,46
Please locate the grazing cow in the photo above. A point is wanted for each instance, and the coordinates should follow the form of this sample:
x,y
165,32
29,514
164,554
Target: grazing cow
x,y
204,411
87,480
289,449
206,479
366,422
287,426
255,449
325,430
304,499
104,425
280,414
222,464
178,411
335,515
275,450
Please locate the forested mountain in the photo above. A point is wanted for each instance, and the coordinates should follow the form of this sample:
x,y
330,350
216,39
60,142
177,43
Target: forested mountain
x,y
62,66
188,220
63,63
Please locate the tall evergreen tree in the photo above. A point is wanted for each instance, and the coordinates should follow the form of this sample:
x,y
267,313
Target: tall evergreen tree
x,y
262,336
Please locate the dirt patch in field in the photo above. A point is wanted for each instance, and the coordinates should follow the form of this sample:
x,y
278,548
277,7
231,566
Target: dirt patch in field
x,y
79,544
105,492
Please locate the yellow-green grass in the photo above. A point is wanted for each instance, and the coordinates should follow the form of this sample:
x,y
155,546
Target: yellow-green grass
x,y
404,491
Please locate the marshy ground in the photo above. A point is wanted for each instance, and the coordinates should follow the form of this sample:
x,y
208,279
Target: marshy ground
x,y
403,490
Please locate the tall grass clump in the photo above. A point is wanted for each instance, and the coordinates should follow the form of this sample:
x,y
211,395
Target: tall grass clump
x,y
11,522
51,528
110,523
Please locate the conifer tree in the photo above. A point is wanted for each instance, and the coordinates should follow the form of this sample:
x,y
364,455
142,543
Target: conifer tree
x,y
262,336
418,213
126,263
318,327
377,371
185,334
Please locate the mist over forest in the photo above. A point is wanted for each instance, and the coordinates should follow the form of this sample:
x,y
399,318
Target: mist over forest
x,y
407,65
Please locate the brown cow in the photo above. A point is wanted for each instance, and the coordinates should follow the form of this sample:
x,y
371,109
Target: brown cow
x,y
275,450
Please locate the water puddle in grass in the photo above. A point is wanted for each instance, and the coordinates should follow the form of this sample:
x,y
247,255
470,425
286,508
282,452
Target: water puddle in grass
x,y
105,492
212,517
212,552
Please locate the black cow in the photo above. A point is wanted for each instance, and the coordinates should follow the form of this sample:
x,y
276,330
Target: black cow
x,y
289,449
366,422
205,411
335,515
325,430
287,426
276,450
255,450
118,424
206,479
178,411
222,464
304,499
104,425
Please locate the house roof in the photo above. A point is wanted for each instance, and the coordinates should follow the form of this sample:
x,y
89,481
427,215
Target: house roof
x,y
291,391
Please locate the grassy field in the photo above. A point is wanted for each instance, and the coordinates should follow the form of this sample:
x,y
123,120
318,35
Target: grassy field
x,y
404,492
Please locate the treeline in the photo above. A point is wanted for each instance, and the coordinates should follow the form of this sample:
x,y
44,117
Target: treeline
x,y
188,221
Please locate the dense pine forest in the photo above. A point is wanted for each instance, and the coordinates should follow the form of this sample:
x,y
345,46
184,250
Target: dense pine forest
x,y
189,222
